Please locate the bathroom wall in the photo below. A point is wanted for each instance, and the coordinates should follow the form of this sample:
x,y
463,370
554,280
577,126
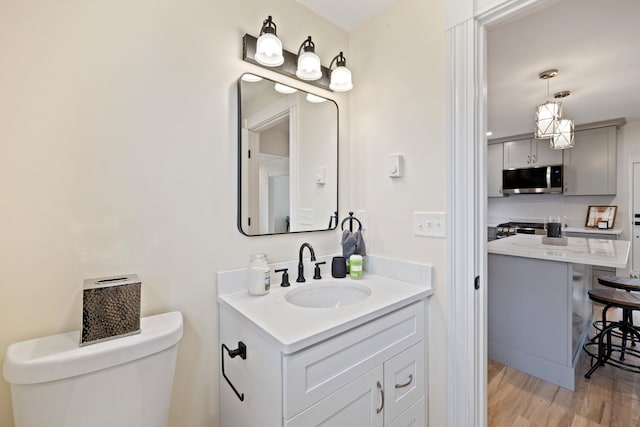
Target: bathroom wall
x,y
118,135
398,64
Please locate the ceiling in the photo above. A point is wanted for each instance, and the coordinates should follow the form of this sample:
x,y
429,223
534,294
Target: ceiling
x,y
347,14
594,46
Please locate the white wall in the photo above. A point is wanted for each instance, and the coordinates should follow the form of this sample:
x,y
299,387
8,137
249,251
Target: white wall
x,y
538,206
397,107
118,136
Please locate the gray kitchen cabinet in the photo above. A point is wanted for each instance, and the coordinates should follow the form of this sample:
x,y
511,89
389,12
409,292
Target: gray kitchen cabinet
x,y
590,166
527,153
494,170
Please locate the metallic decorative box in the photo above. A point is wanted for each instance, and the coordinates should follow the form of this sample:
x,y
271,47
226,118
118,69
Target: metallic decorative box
x,y
110,308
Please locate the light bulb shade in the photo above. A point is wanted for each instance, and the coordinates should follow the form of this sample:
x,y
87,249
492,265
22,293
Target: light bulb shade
x,y
279,87
251,78
269,50
563,137
341,79
308,66
315,99
547,116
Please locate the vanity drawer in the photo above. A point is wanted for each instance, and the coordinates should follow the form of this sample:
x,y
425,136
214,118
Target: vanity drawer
x,y
412,417
403,381
312,374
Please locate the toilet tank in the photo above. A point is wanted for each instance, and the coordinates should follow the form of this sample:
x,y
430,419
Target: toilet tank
x,y
126,382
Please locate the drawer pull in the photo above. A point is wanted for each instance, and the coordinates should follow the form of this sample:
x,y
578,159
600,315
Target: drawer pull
x,y
405,384
378,410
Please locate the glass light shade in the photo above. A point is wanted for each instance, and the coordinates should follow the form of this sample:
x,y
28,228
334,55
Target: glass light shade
x,y
315,99
341,79
308,66
547,116
252,78
284,89
563,138
269,50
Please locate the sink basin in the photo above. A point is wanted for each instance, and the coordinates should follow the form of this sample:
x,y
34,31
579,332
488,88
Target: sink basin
x,y
327,295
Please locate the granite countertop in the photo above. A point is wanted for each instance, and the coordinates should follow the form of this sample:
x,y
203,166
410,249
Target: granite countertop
x,y
603,252
295,327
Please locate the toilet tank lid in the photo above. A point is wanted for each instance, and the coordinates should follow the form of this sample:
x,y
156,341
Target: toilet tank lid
x,y
60,356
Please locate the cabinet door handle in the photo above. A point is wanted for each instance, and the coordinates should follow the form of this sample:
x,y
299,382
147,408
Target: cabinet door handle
x,y
405,384
566,187
378,410
534,158
528,159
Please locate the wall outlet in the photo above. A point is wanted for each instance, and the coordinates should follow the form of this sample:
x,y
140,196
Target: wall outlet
x,y
306,216
429,224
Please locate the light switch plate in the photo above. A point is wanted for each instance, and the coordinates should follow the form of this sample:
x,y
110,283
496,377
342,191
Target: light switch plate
x,y
429,224
306,216
394,166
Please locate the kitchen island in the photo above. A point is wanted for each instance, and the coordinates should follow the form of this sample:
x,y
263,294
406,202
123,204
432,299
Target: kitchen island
x,y
538,307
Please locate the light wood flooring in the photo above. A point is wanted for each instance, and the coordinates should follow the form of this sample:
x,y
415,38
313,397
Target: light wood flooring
x,y
610,398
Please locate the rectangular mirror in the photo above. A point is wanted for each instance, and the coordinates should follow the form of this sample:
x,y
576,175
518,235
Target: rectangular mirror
x,y
287,159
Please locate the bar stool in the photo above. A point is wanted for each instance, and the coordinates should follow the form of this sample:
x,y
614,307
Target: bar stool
x,y
601,347
628,284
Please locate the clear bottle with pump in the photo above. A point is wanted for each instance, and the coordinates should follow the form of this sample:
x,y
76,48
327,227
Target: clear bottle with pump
x,y
259,278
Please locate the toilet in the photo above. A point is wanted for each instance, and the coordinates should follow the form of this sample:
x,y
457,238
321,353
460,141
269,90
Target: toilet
x,y
124,382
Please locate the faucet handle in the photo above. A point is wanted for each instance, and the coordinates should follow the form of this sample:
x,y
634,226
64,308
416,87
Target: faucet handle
x,y
316,272
285,277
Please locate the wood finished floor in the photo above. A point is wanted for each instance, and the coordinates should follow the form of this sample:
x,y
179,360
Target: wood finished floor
x,y
610,398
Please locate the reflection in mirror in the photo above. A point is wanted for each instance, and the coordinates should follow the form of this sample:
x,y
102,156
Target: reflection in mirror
x,y
287,159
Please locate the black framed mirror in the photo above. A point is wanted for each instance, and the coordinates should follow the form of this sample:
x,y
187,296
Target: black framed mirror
x,y
287,159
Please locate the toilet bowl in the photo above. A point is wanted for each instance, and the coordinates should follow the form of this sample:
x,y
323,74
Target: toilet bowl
x,y
125,382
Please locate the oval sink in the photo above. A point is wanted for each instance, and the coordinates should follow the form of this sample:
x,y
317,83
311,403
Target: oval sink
x,y
327,295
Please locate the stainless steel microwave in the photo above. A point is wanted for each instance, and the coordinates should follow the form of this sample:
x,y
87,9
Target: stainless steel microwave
x,y
546,179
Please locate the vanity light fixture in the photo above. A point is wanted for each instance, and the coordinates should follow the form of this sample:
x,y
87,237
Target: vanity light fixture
x,y
269,46
284,89
315,99
341,75
308,61
549,113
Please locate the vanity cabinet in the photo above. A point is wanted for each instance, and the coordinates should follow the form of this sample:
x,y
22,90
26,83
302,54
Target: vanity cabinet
x,y
494,170
528,153
590,166
370,375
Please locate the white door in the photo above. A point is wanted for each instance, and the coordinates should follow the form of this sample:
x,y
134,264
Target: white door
x,y
358,404
635,218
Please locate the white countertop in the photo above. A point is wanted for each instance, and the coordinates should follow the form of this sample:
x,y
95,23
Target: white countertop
x,y
295,327
603,252
595,231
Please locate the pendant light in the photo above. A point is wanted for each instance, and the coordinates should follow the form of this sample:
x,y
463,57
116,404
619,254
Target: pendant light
x,y
269,46
308,61
563,132
547,114
341,75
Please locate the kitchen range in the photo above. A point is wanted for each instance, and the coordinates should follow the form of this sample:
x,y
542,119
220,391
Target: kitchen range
x,y
511,228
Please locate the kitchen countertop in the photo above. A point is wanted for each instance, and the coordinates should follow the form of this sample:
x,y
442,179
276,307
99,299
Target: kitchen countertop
x,y
616,231
295,327
606,253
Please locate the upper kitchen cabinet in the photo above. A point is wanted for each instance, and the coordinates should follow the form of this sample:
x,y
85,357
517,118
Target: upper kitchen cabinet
x,y
529,153
494,170
590,166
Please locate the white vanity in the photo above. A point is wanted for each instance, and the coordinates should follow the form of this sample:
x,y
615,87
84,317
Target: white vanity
x,y
360,363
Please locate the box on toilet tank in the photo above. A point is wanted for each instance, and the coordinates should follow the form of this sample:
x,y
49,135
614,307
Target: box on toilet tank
x,y
110,308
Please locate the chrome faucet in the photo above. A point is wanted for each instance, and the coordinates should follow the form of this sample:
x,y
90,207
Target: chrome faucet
x,y
300,278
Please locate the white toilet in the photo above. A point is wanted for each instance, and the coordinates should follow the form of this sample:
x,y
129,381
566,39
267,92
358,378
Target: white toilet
x,y
125,382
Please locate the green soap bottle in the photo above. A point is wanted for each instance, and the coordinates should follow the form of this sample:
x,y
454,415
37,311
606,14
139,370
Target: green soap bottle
x,y
355,266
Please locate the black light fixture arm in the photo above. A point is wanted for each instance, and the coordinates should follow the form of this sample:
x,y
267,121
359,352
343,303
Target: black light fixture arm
x,y
308,45
339,60
268,26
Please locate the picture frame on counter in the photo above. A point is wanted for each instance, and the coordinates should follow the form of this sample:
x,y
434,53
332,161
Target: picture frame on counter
x,y
600,216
